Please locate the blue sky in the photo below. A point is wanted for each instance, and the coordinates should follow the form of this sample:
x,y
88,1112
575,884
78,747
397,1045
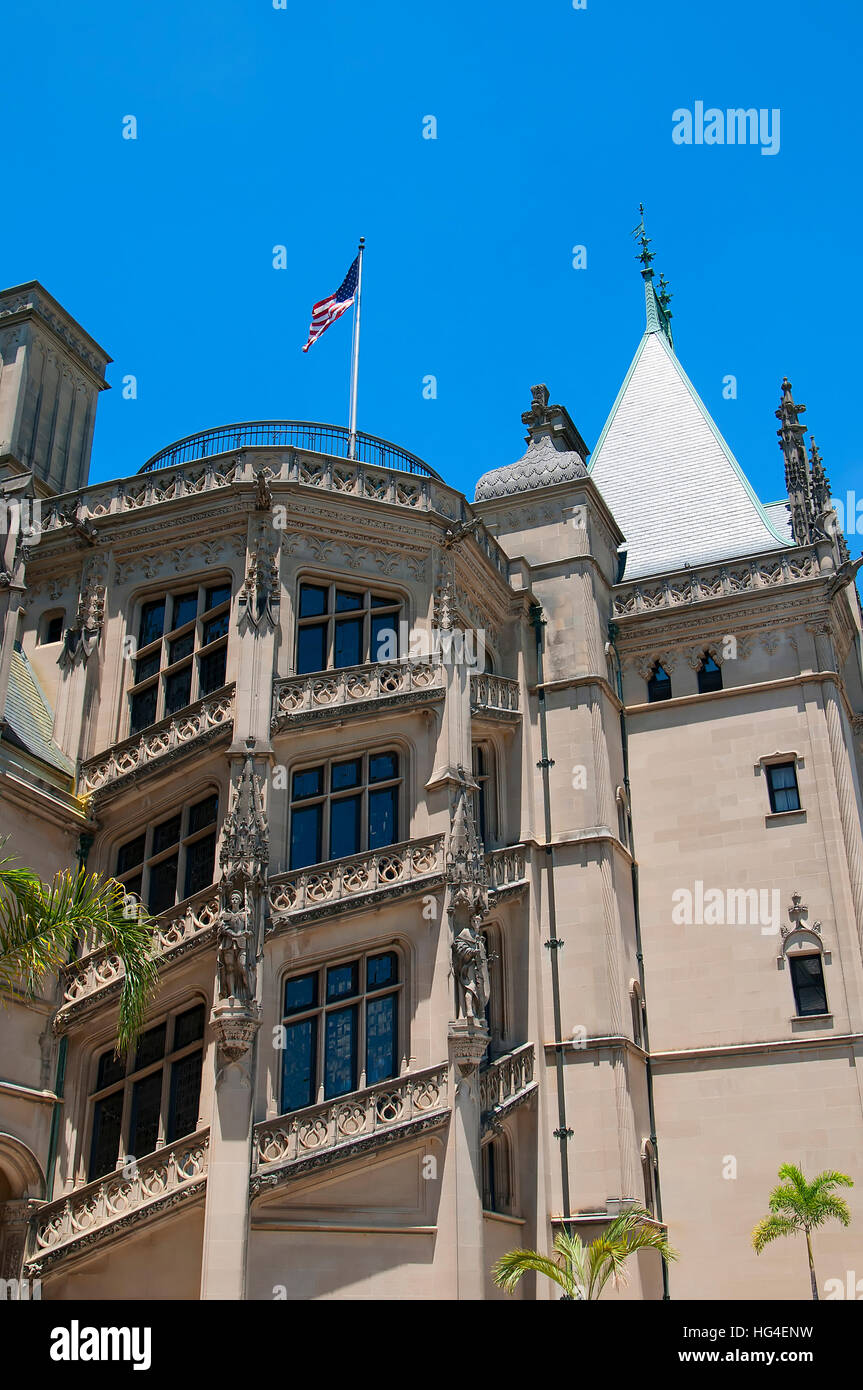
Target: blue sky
x,y
303,127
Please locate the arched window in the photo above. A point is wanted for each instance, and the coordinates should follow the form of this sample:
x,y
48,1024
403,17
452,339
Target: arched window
x,y
709,675
659,684
637,1005
484,801
152,1096
496,1175
51,627
173,858
648,1170
341,626
340,1028
344,806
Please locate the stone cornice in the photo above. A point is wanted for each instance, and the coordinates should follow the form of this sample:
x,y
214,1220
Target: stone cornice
x,y
777,1045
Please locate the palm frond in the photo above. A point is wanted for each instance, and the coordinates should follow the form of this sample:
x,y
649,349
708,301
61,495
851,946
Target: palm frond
x,y
511,1267
771,1228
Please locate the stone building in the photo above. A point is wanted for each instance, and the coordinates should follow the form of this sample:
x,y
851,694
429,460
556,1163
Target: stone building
x,y
438,804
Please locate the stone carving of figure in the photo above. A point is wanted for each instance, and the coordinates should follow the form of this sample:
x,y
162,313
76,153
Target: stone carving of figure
x,y
235,949
470,966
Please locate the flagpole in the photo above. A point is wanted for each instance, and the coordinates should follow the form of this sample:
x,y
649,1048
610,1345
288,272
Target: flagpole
x,y
355,355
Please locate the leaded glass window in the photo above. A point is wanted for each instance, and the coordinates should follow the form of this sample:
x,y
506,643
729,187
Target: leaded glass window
x,y
339,626
172,859
344,807
152,1097
340,1029
181,654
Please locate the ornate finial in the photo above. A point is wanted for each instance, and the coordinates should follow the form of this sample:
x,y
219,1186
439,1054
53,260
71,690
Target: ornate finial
x,y
540,412
665,297
797,479
645,256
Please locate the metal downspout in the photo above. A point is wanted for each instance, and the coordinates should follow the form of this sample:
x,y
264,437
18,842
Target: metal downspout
x,y
553,944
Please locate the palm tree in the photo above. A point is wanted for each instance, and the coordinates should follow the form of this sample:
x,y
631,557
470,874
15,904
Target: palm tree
x,y
798,1205
41,924
583,1271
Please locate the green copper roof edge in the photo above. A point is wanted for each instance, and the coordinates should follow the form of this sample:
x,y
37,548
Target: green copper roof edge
x,y
722,443
66,764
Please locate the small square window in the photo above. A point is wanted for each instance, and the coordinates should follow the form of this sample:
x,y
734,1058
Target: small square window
x,y
53,630
152,622
342,981
309,782
313,601
346,602
782,786
301,993
383,766
220,593
659,684
185,609
346,775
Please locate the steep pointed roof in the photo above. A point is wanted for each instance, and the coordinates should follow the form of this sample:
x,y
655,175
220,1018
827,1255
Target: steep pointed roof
x,y
29,717
671,481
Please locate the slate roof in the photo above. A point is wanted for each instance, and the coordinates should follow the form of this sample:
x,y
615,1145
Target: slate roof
x,y
673,485
29,716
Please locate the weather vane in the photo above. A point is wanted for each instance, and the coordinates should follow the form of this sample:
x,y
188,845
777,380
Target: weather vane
x,y
645,256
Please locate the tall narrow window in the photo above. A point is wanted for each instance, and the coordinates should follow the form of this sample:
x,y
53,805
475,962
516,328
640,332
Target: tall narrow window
x,y
340,1029
181,654
484,798
339,626
648,1172
344,807
807,980
172,859
782,787
709,675
496,1185
659,684
150,1098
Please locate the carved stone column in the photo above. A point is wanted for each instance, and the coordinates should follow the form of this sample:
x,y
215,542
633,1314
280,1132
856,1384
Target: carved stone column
x,y
235,1019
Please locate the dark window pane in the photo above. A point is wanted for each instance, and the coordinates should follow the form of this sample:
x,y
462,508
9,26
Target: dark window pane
x,y
311,649
385,638
105,1144
111,1069
144,1125
382,970
180,647
345,823
308,782
152,622
343,981
131,854
151,1046
185,1096
200,858
383,817
659,685
299,1084
216,627
162,892
709,676
383,601
203,813
380,1039
166,834
54,630
807,977
133,884
178,689
782,785
185,609
211,670
219,593
301,993
340,1069
348,650
313,601
143,709
346,775
188,1027
346,602
148,665
383,766
305,836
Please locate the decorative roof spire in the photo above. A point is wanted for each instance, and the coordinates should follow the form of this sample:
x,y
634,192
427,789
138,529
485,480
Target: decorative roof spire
x,y
656,302
797,480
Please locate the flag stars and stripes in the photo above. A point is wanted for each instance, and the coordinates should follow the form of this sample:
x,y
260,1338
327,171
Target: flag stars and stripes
x,y
326,311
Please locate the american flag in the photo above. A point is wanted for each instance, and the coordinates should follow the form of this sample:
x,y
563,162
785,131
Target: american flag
x,y
326,311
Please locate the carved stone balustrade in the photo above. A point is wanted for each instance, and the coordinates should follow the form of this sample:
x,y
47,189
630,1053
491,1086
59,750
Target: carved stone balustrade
x,y
714,582
355,689
108,1207
179,735
505,1084
359,879
495,697
98,975
355,1124
507,871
